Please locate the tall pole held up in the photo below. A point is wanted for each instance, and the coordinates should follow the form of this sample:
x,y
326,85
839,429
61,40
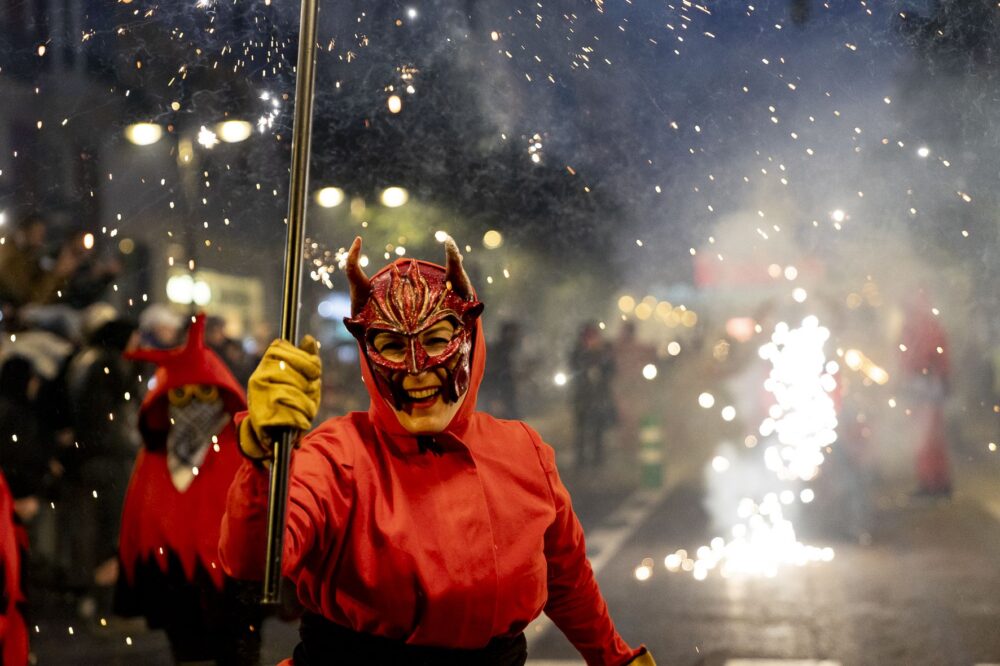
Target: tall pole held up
x,y
305,85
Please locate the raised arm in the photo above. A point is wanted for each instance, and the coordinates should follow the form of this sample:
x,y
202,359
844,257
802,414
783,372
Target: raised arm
x,y
284,391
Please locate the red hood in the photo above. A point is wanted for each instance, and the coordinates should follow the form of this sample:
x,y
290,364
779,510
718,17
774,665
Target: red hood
x,y
383,417
193,363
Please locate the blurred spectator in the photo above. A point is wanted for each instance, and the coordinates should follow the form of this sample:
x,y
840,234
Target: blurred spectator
x,y
25,275
49,355
630,388
228,349
57,319
926,375
593,369
160,327
50,345
24,454
102,388
93,272
501,386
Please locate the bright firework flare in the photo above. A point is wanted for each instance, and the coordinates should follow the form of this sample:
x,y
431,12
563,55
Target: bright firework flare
x,y
800,425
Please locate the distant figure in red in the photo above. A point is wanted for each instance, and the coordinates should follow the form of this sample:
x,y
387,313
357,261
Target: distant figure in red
x,y
13,631
926,373
633,399
174,505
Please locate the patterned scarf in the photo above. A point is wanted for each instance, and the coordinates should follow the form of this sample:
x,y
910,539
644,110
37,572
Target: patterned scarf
x,y
191,431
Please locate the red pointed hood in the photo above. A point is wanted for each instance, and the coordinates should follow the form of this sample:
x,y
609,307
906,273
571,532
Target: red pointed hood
x,y
193,363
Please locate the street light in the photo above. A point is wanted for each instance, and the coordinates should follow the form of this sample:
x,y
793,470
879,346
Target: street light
x,y
394,197
143,134
492,239
234,131
184,290
329,197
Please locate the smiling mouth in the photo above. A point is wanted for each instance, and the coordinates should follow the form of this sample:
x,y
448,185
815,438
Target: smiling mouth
x,y
423,394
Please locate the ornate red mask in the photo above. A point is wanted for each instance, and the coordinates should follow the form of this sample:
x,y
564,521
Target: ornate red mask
x,y
408,297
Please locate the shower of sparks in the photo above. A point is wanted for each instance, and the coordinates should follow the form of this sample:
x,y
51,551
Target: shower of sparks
x,y
324,262
803,418
266,121
800,425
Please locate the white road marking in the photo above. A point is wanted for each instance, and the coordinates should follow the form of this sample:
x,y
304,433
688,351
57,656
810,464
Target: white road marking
x,y
728,662
781,662
604,543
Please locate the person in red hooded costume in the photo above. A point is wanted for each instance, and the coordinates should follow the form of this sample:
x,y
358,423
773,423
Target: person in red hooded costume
x,y
173,508
13,541
927,373
420,531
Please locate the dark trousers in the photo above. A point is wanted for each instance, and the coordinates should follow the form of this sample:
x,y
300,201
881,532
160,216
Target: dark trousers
x,y
325,643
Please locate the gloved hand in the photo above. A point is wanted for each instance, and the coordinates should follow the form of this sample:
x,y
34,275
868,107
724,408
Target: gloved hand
x,y
283,392
644,659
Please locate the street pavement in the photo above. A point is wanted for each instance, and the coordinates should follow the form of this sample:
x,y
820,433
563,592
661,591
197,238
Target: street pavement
x,y
924,590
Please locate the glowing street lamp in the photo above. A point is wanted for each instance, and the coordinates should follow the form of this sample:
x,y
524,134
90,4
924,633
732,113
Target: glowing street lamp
x,y
143,134
234,131
329,197
394,197
492,239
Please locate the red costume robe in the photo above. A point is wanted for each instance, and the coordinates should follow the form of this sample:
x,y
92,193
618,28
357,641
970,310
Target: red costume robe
x,y
443,549
170,538
927,371
13,631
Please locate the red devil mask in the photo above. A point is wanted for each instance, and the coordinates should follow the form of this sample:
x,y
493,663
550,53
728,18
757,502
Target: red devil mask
x,y
407,298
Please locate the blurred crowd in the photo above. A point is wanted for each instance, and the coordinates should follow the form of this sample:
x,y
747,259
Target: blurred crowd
x,y
69,403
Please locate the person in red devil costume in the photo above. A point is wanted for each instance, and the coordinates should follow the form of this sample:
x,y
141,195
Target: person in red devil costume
x,y
926,373
174,505
420,531
13,541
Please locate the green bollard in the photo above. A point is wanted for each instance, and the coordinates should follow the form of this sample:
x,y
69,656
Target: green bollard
x,y
651,453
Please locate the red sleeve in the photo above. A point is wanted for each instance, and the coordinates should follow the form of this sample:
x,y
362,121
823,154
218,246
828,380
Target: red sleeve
x,y
319,499
575,603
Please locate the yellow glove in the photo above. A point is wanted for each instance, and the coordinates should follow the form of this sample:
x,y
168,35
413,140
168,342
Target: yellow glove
x,y
283,392
644,659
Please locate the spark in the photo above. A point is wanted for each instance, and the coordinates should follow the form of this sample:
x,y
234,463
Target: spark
x,y
207,137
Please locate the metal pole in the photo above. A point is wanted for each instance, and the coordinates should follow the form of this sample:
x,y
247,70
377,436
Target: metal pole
x,y
305,84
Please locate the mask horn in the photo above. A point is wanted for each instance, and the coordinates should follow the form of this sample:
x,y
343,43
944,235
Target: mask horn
x,y
361,286
455,273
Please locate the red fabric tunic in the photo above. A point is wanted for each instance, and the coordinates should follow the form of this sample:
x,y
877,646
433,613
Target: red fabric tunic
x,y
158,521
13,631
446,549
